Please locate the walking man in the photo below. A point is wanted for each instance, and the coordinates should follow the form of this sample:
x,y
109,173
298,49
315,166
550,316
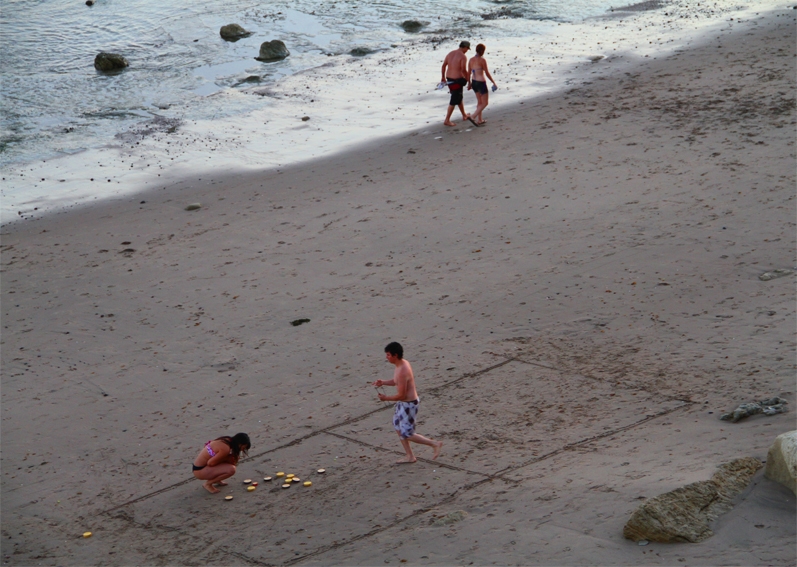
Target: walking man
x,y
455,73
407,403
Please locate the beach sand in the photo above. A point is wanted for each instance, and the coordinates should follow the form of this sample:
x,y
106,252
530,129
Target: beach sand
x,y
576,285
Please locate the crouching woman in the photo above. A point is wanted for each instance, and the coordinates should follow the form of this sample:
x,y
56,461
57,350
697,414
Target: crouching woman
x,y
218,458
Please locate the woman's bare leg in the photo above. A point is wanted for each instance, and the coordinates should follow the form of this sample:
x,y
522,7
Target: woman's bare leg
x,y
215,475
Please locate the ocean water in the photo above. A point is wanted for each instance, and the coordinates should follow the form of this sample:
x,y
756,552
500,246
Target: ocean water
x,y
192,102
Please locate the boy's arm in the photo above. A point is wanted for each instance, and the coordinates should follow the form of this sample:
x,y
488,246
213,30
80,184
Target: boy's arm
x,y
401,388
390,382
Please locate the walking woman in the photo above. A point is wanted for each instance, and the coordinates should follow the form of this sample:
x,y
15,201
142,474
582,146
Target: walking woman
x,y
218,458
477,70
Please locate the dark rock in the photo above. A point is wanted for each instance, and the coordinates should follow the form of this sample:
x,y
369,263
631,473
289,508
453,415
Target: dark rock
x,y
272,51
110,62
412,26
305,118
298,322
683,515
89,2
233,32
361,51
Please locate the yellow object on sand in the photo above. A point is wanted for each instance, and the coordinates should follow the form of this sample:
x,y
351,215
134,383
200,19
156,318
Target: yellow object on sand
x,y
228,497
279,474
286,485
291,475
308,483
86,534
250,488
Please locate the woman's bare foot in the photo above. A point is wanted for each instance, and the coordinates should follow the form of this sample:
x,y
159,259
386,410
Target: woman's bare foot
x,y
220,483
210,488
406,461
437,448
448,124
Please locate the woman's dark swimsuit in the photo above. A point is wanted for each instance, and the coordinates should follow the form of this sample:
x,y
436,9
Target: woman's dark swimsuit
x,y
479,86
196,468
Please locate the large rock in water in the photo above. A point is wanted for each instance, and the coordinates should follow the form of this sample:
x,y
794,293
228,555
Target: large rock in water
x,y
109,62
683,515
272,51
782,460
232,32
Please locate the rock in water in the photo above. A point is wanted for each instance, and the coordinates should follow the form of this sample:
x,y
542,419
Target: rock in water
x,y
683,515
233,32
412,26
782,460
109,62
272,51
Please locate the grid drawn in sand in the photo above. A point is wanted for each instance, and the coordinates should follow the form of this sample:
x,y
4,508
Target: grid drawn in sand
x,y
495,423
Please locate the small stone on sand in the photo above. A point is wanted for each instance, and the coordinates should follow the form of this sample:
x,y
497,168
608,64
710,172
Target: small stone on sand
x,y
86,534
193,207
286,485
321,471
228,497
250,488
308,483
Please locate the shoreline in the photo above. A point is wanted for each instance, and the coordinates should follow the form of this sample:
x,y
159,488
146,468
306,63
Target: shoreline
x,y
175,145
576,285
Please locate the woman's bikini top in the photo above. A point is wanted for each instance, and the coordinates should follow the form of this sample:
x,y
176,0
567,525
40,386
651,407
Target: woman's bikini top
x,y
210,451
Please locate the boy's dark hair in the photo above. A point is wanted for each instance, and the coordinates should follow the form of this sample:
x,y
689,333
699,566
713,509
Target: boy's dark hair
x,y
395,349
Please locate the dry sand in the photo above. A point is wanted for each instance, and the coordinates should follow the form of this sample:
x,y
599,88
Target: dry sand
x,y
576,285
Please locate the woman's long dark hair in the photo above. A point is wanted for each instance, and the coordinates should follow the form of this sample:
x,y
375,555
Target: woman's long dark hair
x,y
236,443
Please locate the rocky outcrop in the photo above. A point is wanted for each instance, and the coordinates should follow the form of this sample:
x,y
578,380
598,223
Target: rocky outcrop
x,y
272,51
233,32
769,406
782,460
683,515
110,62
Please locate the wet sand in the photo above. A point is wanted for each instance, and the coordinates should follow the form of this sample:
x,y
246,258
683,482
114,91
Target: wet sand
x,y
577,287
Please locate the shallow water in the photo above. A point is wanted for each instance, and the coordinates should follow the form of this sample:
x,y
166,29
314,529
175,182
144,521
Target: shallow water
x,y
190,99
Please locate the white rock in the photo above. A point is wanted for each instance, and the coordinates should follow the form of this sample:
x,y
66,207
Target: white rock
x,y
782,460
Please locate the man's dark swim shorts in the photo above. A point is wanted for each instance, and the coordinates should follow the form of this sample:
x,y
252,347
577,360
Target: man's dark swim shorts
x,y
455,88
479,87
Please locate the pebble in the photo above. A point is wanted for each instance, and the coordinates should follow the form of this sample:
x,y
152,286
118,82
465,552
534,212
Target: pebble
x,y
286,485
193,206
308,483
766,276
250,488
228,497
86,534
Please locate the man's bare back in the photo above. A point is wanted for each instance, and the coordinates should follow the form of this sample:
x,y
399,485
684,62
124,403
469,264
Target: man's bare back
x,y
455,65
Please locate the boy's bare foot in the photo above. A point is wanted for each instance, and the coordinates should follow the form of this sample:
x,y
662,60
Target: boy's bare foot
x,y
406,461
437,449
210,488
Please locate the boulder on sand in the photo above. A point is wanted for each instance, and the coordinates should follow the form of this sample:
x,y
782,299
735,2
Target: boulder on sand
x,y
233,32
782,460
109,62
683,515
272,51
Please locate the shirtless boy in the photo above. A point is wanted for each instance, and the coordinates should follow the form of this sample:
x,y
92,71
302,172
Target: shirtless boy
x,y
455,73
407,403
